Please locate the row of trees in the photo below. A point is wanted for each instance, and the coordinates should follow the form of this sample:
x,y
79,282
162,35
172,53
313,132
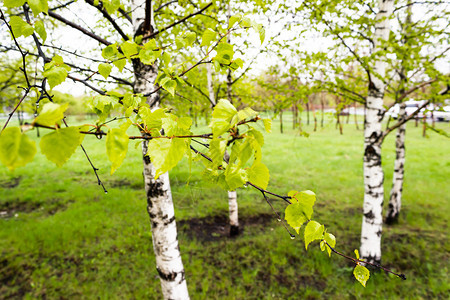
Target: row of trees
x,y
149,53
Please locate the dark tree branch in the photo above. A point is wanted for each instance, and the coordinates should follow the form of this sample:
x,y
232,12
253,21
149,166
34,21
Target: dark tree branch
x,y
164,5
153,34
107,16
79,28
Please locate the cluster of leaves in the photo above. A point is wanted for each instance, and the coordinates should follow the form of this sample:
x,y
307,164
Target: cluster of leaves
x,y
17,149
299,212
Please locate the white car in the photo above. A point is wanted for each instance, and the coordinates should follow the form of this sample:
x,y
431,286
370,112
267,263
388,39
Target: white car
x,y
431,110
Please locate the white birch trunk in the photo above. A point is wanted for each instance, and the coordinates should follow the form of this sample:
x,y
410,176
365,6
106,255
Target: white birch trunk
x,y
395,198
232,195
159,197
373,173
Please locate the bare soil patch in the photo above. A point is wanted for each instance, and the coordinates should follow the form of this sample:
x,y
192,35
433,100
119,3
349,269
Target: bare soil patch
x,y
214,228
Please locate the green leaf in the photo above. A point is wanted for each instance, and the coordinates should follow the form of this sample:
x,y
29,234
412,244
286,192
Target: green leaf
x,y
208,36
116,147
313,231
16,149
362,274
357,253
235,177
170,86
38,6
246,113
51,114
152,119
56,71
104,69
268,125
40,29
306,197
130,48
190,38
110,52
217,151
233,20
120,62
225,53
258,174
111,5
222,117
20,27
166,153
331,240
166,58
149,53
295,216
13,3
59,145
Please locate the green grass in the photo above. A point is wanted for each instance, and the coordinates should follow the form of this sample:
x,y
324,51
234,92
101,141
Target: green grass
x,y
64,238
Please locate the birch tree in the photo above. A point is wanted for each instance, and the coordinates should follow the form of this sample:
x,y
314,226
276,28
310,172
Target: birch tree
x,y
362,33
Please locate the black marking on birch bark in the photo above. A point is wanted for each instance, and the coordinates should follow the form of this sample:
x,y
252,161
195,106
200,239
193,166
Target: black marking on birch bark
x,y
373,259
369,215
147,160
168,276
171,220
371,154
155,189
154,224
375,186
379,233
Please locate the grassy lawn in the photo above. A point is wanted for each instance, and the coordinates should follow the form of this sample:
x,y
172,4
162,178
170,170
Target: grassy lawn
x,y
62,237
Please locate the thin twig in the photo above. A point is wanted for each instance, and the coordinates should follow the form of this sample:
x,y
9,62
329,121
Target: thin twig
x,y
358,261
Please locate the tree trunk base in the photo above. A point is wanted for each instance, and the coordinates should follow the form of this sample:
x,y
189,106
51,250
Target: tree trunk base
x,y
391,219
234,230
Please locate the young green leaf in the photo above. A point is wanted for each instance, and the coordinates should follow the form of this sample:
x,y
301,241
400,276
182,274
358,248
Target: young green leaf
x,y
166,153
20,27
357,253
38,6
170,86
40,29
59,145
313,231
56,71
307,197
208,36
13,3
130,48
110,52
104,69
16,149
268,125
120,62
295,216
331,240
233,20
116,147
51,114
222,117
258,174
361,274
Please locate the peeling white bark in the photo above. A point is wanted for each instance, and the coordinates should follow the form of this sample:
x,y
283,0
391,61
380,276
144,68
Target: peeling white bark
x,y
373,173
159,197
395,198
